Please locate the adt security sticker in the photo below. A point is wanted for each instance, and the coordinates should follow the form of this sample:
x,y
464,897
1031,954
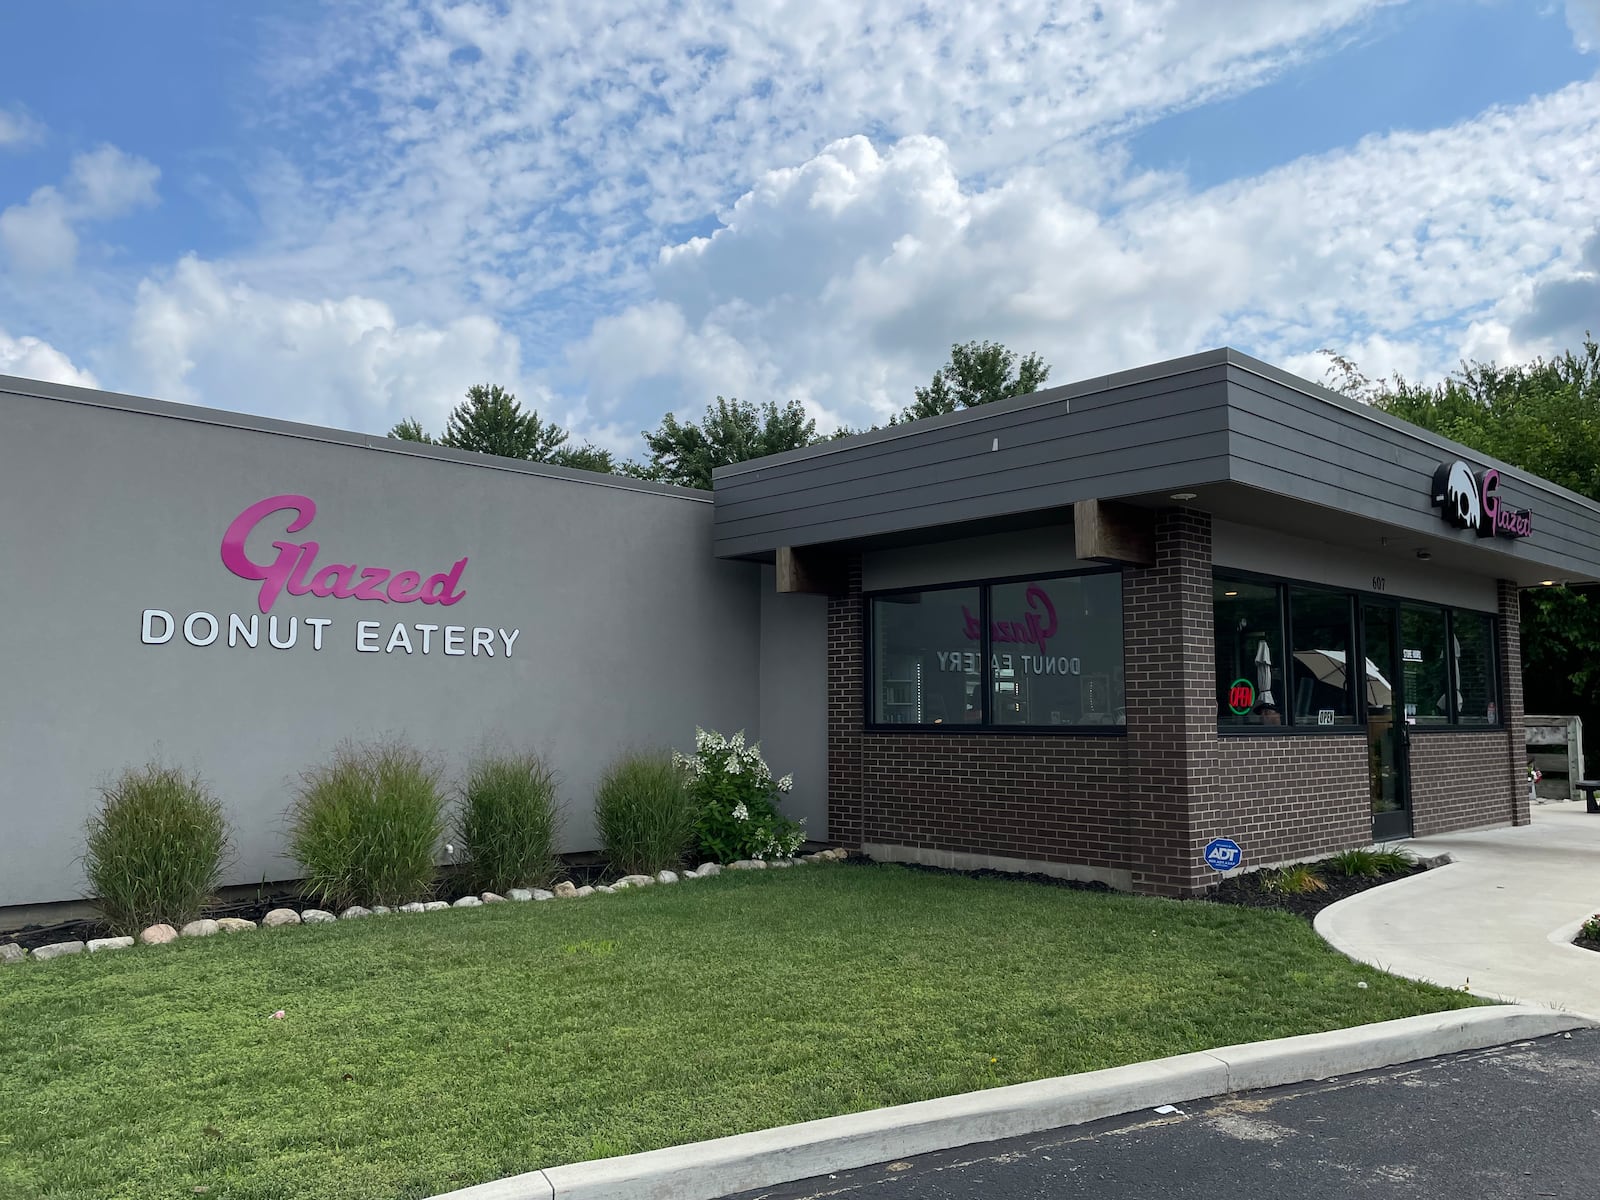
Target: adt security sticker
x,y
1223,854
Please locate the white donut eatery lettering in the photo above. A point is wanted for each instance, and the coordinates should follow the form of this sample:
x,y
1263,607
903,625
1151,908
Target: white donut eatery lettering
x,y
293,570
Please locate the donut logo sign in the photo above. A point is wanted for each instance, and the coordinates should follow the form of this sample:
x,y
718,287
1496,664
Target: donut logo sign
x,y
1471,501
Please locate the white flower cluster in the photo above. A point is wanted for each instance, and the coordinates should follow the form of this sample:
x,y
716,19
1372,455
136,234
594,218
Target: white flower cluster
x,y
708,745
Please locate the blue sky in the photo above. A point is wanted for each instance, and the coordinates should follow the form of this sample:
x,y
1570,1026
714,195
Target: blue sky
x,y
347,214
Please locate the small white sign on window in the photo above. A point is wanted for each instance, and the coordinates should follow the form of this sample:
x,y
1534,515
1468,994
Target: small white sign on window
x,y
1324,716
1410,655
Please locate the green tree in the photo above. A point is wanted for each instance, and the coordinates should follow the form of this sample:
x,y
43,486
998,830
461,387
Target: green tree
x,y
410,430
1544,417
492,421
977,373
584,458
686,452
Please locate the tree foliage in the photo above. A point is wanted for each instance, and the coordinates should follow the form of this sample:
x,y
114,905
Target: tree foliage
x,y
732,431
977,373
491,420
1544,417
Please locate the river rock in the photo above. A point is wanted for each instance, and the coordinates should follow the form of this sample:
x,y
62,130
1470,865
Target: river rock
x,y
414,907
435,905
160,935
205,927
585,890
542,894
355,912
709,870
666,877
58,949
781,862
521,895
566,889
606,889
280,916
116,943
381,910
468,902
235,925
11,952
635,881
317,916
492,898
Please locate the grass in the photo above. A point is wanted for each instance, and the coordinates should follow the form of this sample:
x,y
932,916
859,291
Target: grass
x,y
1369,864
421,1054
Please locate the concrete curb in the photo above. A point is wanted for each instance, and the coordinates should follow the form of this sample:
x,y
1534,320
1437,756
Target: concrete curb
x,y
722,1166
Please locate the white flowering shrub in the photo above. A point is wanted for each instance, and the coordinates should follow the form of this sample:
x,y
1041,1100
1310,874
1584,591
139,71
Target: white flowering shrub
x,y
737,800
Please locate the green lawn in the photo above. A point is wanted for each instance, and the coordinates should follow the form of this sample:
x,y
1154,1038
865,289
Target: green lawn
x,y
424,1053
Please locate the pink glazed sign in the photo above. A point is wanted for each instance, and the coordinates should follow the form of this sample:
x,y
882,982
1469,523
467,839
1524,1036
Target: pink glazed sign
x,y
288,571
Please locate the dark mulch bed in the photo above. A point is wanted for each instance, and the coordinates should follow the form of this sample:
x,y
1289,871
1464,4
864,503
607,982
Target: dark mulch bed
x,y
1586,943
1245,890
857,860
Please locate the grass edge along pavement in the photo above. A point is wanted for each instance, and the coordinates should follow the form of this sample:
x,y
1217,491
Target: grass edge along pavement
x,y
423,1054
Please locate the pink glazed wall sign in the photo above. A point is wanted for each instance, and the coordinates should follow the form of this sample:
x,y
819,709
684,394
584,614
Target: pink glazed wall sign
x,y
291,570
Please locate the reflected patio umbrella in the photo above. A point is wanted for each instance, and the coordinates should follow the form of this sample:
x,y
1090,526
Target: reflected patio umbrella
x,y
1329,667
1454,672
1264,674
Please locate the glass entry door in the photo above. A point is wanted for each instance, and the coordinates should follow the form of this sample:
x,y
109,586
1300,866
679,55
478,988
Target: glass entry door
x,y
1388,734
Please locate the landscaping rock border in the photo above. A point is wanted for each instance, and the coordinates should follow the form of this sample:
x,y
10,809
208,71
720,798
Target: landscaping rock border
x,y
286,918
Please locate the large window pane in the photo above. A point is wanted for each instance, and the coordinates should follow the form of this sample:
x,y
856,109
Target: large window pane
x,y
1473,651
1248,619
1322,684
1424,662
1056,650
928,666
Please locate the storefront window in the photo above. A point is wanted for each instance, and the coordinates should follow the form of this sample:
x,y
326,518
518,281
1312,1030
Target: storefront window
x,y
928,665
1250,664
1472,648
1426,666
1322,684
1056,651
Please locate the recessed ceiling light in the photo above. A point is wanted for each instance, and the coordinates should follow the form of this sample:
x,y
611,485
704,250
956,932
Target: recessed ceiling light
x,y
1547,583
1230,593
1424,554
1183,495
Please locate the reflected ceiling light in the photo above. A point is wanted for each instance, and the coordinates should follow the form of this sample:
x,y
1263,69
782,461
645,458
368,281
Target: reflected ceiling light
x,y
1183,495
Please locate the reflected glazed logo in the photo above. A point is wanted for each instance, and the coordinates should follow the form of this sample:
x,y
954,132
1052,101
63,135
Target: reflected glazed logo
x,y
289,570
1470,501
1036,627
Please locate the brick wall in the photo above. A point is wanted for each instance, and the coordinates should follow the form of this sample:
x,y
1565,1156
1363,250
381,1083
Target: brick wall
x,y
1509,650
1172,716
1059,799
1459,781
1283,798
846,663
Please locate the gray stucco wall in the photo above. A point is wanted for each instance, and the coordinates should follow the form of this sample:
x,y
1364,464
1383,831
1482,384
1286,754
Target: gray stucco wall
x,y
631,633
794,698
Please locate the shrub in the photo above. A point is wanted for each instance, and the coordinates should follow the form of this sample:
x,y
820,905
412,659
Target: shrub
x,y
1591,929
507,822
1392,860
1292,881
366,826
644,814
156,849
736,799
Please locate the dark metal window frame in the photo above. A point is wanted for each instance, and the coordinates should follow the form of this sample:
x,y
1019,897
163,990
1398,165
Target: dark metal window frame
x,y
1289,728
986,665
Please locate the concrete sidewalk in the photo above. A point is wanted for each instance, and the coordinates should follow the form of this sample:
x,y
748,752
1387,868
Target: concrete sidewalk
x,y
1498,921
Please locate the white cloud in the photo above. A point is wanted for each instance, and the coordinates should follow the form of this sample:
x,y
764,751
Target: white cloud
x,y
202,337
842,282
18,130
31,358
1583,18
39,237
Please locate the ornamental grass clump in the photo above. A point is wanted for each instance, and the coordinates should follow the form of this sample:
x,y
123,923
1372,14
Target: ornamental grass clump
x,y
643,813
156,849
366,826
507,822
736,799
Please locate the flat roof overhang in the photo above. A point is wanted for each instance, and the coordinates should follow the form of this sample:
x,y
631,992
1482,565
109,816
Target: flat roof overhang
x,y
1257,447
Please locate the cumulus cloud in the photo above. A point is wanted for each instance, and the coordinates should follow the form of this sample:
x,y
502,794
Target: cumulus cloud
x,y
201,337
18,130
31,358
843,281
1583,18
1566,307
39,236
